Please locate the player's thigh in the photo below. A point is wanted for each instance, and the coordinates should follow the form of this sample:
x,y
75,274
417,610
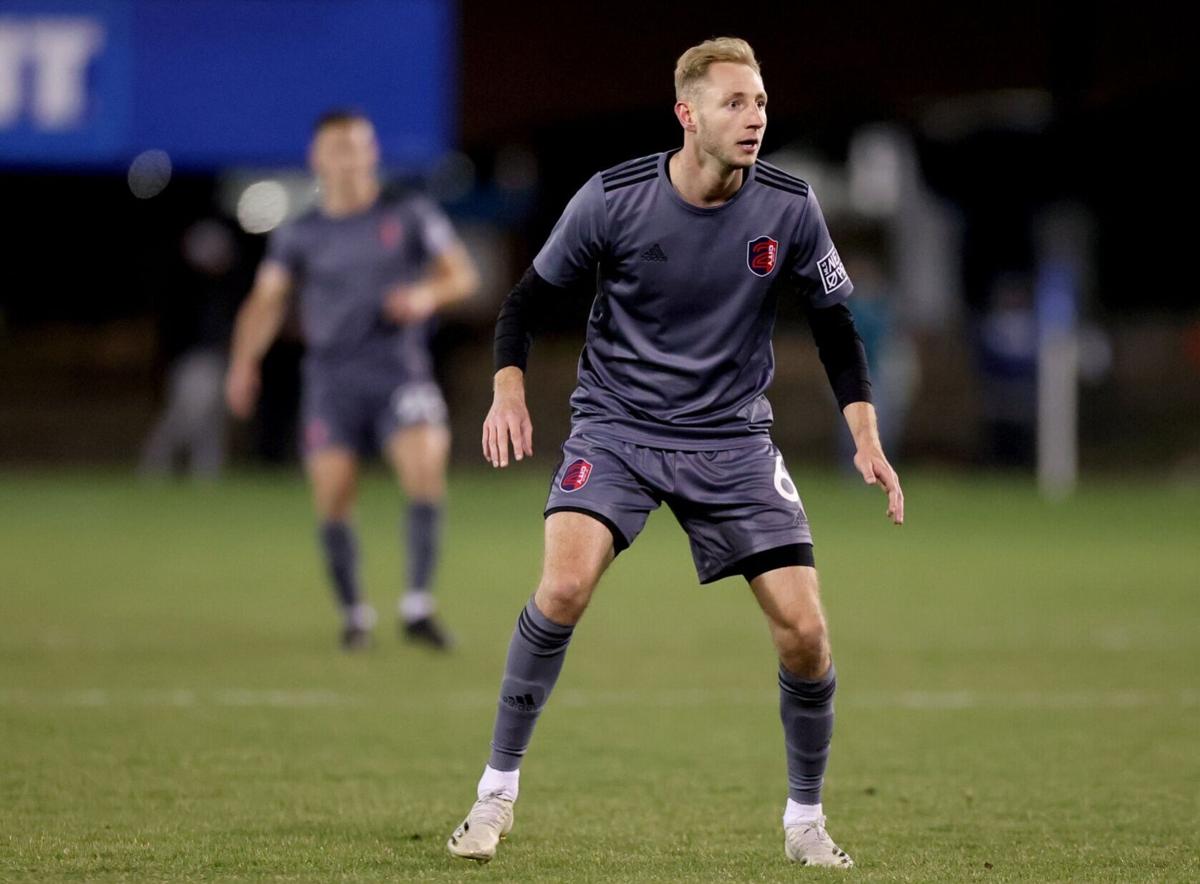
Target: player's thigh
x,y
578,549
789,596
333,474
419,454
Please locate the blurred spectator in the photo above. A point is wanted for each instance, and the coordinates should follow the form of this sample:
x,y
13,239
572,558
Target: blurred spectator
x,y
1007,342
196,318
891,353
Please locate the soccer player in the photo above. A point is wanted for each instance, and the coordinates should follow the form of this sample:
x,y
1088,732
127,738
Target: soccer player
x,y
692,249
371,272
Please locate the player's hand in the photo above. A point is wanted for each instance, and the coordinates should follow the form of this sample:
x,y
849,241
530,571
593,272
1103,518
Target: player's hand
x,y
876,470
241,389
406,304
508,420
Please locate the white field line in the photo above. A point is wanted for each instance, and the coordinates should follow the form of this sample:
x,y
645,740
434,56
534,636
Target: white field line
x,y
176,697
85,698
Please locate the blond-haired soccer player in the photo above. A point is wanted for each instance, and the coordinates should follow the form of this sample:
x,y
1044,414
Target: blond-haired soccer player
x,y
692,249
371,272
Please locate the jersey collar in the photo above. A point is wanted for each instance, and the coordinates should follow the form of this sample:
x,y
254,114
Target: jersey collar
x,y
664,180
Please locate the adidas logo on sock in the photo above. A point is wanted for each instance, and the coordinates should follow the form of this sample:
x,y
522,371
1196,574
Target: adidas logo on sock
x,y
524,704
654,253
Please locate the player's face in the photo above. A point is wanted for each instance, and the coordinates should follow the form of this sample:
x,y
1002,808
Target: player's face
x,y
345,153
731,114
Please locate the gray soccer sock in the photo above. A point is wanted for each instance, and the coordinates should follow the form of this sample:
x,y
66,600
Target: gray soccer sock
x,y
806,708
424,536
535,657
341,558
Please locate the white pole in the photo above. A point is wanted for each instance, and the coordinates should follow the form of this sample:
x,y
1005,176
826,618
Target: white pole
x,y
1061,276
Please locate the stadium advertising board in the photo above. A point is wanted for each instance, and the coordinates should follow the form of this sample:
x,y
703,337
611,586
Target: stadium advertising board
x,y
215,83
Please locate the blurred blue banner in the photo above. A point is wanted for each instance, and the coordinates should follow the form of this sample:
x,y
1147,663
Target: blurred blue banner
x,y
219,82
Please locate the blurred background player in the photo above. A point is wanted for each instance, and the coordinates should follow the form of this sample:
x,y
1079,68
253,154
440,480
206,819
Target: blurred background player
x,y
371,272
196,313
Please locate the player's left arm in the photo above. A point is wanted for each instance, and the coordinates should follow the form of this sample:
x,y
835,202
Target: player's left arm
x,y
869,458
824,286
845,359
451,277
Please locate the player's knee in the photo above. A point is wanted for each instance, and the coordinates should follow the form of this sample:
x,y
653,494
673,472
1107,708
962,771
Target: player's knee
x,y
804,646
334,503
429,487
563,597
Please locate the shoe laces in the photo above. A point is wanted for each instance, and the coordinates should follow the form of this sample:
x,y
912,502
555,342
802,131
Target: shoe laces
x,y
489,809
816,825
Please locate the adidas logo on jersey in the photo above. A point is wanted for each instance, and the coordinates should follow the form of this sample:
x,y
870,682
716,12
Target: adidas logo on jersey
x,y
654,253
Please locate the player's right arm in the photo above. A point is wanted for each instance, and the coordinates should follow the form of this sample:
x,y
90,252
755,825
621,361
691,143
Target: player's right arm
x,y
569,256
258,322
508,419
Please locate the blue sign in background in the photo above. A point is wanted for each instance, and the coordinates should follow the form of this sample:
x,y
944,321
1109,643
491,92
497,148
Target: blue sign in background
x,y
223,82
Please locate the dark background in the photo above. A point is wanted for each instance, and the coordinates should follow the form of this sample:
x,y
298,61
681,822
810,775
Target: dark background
x,y
90,270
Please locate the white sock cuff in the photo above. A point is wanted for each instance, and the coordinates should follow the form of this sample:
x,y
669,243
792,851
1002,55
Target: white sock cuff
x,y
796,814
359,616
506,782
416,605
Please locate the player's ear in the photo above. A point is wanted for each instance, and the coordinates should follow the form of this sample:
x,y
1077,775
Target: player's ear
x,y
683,113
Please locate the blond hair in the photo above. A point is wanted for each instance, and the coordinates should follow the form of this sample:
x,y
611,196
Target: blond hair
x,y
694,64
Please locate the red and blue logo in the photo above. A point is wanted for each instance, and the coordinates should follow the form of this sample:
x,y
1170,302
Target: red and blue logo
x,y
391,231
576,476
316,435
761,254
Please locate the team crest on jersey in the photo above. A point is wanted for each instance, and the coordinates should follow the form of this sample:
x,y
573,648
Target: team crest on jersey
x,y
761,254
576,476
832,272
391,231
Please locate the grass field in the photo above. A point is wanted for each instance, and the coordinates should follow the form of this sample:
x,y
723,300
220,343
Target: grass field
x,y
1019,691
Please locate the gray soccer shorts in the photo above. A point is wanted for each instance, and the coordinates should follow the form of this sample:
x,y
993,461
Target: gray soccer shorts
x,y
738,506
360,411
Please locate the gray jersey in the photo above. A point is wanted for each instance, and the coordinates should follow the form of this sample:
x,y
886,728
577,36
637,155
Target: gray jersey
x,y
678,351
344,267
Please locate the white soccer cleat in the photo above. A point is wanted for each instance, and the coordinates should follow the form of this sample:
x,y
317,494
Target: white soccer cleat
x,y
810,845
490,820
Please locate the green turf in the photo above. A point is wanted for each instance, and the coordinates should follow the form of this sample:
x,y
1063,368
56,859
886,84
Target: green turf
x,y
1020,692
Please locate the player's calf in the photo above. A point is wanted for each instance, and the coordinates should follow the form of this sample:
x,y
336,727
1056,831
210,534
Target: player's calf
x,y
535,657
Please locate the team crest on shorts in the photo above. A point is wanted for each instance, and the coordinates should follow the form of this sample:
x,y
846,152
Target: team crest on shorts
x,y
761,254
316,434
576,476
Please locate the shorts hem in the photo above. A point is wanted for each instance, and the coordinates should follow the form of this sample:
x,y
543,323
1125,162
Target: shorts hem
x,y
307,451
737,564
619,541
400,428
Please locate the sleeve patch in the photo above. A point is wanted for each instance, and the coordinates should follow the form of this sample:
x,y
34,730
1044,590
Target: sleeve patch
x,y
833,274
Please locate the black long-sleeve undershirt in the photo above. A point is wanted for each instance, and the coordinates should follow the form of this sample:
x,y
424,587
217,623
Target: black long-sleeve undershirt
x,y
519,318
838,343
842,352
